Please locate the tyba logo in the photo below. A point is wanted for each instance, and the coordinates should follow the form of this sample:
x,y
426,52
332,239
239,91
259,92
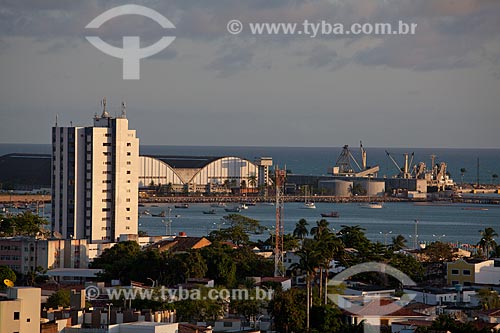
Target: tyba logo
x,y
131,53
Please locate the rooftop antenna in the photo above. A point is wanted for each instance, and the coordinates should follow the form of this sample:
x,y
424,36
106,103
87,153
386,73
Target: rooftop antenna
x,y
124,110
57,119
105,113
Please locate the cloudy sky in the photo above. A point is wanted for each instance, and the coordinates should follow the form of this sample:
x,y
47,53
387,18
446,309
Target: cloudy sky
x,y
437,88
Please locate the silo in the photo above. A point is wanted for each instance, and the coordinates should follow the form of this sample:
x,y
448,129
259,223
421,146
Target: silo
x,y
336,187
373,187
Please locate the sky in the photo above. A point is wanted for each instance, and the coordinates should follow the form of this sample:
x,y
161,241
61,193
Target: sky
x,y
437,88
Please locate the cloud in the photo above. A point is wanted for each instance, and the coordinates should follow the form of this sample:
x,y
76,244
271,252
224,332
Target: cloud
x,y
449,32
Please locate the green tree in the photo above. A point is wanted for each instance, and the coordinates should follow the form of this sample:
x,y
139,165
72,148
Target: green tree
x,y
354,237
252,181
320,228
220,264
309,260
247,224
59,298
6,273
489,299
326,318
117,261
462,173
398,243
300,230
235,234
408,265
439,252
24,224
287,311
487,242
358,189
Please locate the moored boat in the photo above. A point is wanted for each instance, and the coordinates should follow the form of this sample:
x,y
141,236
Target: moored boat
x,y
330,214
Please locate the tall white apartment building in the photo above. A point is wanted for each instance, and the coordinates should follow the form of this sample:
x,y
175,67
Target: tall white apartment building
x,y
95,174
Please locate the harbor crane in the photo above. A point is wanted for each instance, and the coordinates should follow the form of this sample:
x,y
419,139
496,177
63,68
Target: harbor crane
x,y
405,170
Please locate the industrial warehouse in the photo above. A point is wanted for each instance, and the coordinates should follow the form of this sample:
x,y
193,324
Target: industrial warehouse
x,y
188,174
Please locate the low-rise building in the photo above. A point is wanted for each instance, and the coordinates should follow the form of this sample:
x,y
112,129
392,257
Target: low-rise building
x,y
473,271
20,310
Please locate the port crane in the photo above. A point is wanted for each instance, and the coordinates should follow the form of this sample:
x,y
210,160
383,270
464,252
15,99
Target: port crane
x,y
408,164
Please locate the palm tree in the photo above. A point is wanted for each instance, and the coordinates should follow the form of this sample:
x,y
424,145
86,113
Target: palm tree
x,y
320,228
487,242
331,247
309,260
300,230
398,243
252,180
462,172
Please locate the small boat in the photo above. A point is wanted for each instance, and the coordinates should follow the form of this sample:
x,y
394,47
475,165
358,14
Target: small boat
x,y
308,205
268,203
184,206
233,210
218,205
331,214
474,208
162,214
243,206
146,212
250,203
177,215
372,205
209,212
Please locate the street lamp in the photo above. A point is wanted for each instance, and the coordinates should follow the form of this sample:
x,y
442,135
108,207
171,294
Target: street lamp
x,y
109,313
385,236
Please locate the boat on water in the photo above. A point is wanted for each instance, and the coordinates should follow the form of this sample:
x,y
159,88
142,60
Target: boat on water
x,y
209,212
330,214
474,208
372,205
184,206
308,205
162,214
251,203
146,212
233,210
267,203
243,206
218,205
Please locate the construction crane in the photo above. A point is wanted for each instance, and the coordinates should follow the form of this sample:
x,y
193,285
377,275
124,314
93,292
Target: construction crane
x,y
280,176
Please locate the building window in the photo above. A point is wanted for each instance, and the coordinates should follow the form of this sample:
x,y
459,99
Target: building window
x,y
454,272
106,181
128,162
16,315
106,209
128,172
127,200
128,209
127,218
128,153
466,272
107,135
106,144
129,144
